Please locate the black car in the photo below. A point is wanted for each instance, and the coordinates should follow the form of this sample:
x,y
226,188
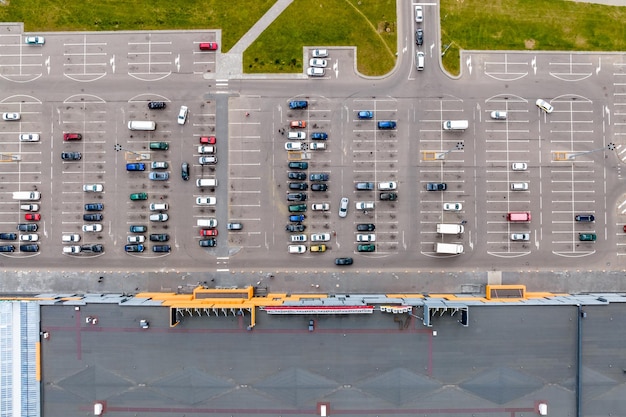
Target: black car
x,y
343,261
8,236
161,248
184,171
419,36
302,186
298,165
7,248
159,237
319,187
71,156
93,217
92,248
27,227
319,177
585,218
94,207
296,196
435,186
365,227
300,176
156,105
29,248
207,243
295,228
389,196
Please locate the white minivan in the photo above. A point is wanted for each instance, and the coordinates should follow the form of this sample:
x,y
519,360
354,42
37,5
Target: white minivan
x,y
206,182
419,60
158,206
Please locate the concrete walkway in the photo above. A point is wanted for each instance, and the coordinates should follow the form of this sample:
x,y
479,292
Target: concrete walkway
x,y
230,65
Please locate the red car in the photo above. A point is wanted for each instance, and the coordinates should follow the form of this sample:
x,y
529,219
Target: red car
x,y
32,216
72,136
208,46
298,124
208,232
208,140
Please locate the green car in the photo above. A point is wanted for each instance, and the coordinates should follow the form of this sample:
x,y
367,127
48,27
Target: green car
x,y
297,208
161,146
138,196
366,248
591,237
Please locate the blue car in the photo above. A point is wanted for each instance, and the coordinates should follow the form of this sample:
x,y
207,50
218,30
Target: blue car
x,y
297,218
136,167
386,124
319,136
133,248
365,114
298,104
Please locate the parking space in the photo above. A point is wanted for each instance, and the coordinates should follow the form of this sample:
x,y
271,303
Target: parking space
x,y
20,62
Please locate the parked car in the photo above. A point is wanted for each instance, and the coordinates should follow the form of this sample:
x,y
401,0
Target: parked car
x,y
184,171
138,228
319,177
159,217
318,248
161,248
498,115
386,124
297,238
297,218
296,196
156,105
520,236
27,227
544,105
72,136
93,188
452,206
298,104
364,205
366,248
159,176
95,227
32,217
388,196
317,146
296,135
135,239
182,115
34,40
436,186
387,185
71,238
298,165
234,226
585,218
365,114
318,63
300,176
96,248
29,248
343,207
208,46
159,165
315,72
207,243
31,237
94,207
343,261
159,146
320,237
73,249
207,160
298,186
590,237
208,140
319,187
295,124
138,196
419,14
71,156
136,167
296,249
206,201
295,228
364,186
369,237
519,166
9,117
7,248
134,248
293,146
320,206
8,236
29,137
29,207
319,53
296,208
203,149
208,232
159,237
365,227
93,217
319,135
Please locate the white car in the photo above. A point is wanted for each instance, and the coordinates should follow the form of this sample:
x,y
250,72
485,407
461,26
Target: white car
x,y
296,135
29,137
319,53
159,217
93,188
320,237
182,115
544,105
498,115
159,165
520,236
71,249
317,146
419,14
71,238
320,206
366,238
318,63
387,186
206,149
96,227
298,238
297,249
136,239
343,207
207,160
33,237
34,40
519,166
10,116
206,201
293,146
364,205
158,206
29,207
452,206
315,72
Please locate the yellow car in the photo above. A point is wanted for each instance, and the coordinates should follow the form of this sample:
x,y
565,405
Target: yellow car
x,y
318,248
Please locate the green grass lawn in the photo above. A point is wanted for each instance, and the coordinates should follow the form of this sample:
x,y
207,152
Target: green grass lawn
x,y
369,25
539,25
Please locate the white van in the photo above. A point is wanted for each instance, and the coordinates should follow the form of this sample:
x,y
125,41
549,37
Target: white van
x,y
207,223
419,60
26,195
158,206
206,182
141,125
455,125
